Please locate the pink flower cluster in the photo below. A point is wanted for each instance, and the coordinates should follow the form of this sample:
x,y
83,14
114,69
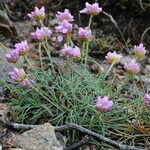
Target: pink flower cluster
x,y
113,58
147,100
85,34
71,52
66,15
91,9
37,14
20,49
103,104
132,68
139,50
41,33
19,75
64,27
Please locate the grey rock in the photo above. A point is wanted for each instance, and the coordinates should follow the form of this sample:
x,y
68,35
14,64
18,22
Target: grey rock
x,y
24,29
4,65
147,69
146,81
125,59
41,137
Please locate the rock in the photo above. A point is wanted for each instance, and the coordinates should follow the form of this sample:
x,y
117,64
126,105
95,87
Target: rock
x,y
6,25
60,63
125,59
146,82
4,66
24,29
147,69
41,137
5,112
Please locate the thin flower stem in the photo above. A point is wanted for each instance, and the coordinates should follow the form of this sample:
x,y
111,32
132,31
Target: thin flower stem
x,y
18,65
28,61
71,42
83,52
109,69
68,39
49,55
40,55
41,23
86,53
90,22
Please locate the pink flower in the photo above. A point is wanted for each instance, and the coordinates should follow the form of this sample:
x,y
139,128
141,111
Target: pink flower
x,y
103,104
84,34
65,27
75,53
12,56
132,68
26,83
147,100
91,9
37,14
139,50
66,15
41,33
113,58
17,75
22,47
71,52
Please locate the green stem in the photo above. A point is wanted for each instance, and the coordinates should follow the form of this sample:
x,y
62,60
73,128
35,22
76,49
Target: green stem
x,y
109,69
68,39
41,23
40,55
28,61
49,55
83,52
18,65
86,53
90,22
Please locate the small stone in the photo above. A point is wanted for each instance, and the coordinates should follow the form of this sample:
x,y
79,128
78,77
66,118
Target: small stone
x,y
5,111
41,137
125,59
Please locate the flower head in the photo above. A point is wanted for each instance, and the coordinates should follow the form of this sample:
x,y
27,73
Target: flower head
x,y
12,56
26,83
103,104
139,50
147,100
41,33
37,14
66,15
64,27
113,58
132,68
22,47
17,75
91,9
84,34
72,52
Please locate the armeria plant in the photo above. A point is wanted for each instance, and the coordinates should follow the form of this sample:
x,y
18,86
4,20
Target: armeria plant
x,y
70,96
